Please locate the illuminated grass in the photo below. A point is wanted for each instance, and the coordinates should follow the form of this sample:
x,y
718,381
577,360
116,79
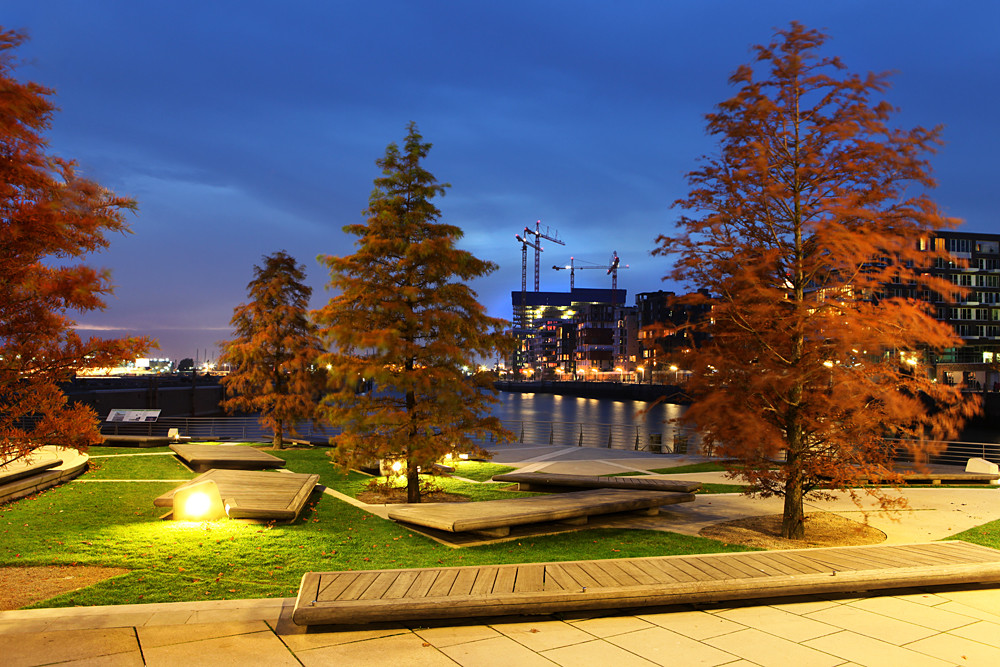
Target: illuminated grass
x,y
116,525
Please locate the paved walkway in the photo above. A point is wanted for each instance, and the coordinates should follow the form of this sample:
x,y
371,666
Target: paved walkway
x,y
934,626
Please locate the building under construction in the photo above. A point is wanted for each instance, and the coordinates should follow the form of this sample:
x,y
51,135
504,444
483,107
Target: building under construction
x,y
578,334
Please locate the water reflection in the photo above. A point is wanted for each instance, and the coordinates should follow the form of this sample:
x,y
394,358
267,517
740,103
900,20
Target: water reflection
x,y
573,409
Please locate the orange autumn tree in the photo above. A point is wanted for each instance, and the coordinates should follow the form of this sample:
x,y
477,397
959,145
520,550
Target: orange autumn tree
x,y
406,320
50,218
806,229
275,350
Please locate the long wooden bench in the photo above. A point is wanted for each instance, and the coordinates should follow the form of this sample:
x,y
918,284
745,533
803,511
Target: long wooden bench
x,y
494,518
201,458
359,597
540,481
935,478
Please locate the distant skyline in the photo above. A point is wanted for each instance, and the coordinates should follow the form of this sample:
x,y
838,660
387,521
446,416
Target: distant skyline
x,y
243,128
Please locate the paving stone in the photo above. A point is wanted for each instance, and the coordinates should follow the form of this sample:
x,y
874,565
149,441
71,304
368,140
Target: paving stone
x,y
596,653
258,648
499,651
663,647
957,650
981,631
405,649
311,640
768,650
63,645
168,635
778,622
608,626
544,635
912,612
866,623
694,624
871,652
462,634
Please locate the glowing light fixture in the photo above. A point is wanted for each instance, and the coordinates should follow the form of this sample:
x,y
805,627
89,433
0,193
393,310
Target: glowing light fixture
x,y
199,502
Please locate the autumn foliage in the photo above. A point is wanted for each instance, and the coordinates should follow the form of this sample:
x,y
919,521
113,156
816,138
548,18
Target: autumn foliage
x,y
50,219
406,321
807,229
275,349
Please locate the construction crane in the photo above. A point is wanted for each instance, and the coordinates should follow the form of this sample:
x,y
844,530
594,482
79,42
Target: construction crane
x,y
539,235
525,243
612,268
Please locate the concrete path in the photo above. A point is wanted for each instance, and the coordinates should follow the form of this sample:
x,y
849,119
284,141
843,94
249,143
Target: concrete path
x,y
912,628
938,626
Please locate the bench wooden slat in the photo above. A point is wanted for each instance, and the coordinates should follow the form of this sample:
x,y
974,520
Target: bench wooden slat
x,y
484,581
400,585
669,570
491,515
558,579
530,578
358,586
422,584
636,572
443,584
541,481
333,585
378,587
731,568
591,585
464,581
506,577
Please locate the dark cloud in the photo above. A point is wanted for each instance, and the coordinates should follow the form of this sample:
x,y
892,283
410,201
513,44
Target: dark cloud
x,y
247,127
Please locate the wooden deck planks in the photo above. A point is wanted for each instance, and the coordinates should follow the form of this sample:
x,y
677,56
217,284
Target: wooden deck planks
x,y
353,597
540,481
201,458
496,514
255,494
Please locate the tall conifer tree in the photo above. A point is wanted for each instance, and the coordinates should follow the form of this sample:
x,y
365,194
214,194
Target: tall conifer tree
x,y
50,218
276,349
807,227
406,320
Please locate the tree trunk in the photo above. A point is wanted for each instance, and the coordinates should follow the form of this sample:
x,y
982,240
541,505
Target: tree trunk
x,y
412,482
793,525
412,476
277,442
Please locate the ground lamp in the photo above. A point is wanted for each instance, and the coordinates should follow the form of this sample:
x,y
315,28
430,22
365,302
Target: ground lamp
x,y
199,502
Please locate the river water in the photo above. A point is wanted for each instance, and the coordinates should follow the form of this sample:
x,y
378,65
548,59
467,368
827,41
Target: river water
x,y
603,422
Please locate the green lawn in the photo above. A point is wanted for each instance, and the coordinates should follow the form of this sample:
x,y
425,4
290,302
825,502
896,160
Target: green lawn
x,y
115,524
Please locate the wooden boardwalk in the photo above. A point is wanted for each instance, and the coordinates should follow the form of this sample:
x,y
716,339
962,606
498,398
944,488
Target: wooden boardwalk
x,y
236,457
495,517
540,481
256,494
542,588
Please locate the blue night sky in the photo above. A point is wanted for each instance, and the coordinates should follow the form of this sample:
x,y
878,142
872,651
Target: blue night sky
x,y
246,127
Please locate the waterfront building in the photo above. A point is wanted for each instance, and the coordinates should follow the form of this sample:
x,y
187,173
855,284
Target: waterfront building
x,y
547,341
665,332
974,263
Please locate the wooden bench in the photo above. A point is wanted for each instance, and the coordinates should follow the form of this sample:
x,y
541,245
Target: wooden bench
x,y
235,457
494,518
255,494
935,478
540,481
358,597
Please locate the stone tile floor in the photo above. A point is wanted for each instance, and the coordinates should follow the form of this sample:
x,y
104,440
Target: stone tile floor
x,y
911,627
